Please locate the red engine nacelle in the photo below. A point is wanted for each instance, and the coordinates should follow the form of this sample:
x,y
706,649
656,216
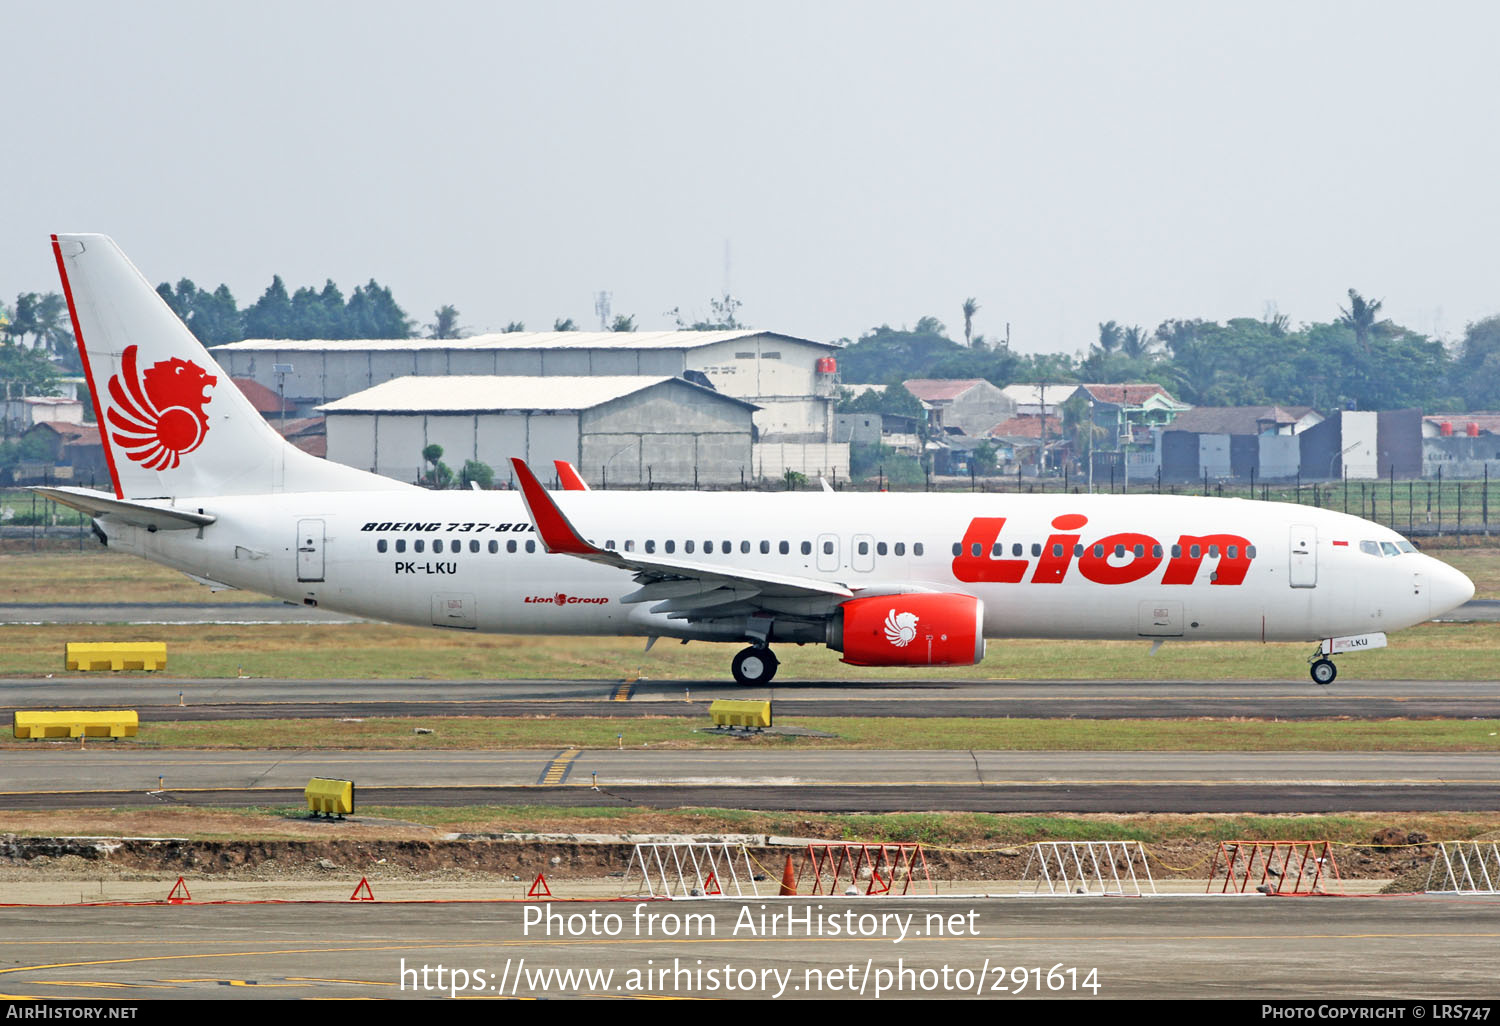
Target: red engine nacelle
x,y
909,630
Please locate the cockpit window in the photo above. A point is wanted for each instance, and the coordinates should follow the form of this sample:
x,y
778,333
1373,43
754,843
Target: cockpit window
x,y
1389,548
1406,546
1370,548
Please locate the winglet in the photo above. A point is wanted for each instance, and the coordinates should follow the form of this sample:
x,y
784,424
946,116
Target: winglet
x,y
568,475
558,535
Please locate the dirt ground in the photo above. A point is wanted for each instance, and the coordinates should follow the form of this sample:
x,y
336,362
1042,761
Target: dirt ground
x,y
25,859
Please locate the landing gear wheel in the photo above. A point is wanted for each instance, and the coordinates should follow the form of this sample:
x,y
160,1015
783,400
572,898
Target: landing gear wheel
x,y
1323,671
755,665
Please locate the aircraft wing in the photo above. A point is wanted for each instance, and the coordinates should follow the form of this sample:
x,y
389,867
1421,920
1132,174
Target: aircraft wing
x,y
718,585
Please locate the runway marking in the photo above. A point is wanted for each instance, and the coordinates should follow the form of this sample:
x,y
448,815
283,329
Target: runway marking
x,y
624,691
557,771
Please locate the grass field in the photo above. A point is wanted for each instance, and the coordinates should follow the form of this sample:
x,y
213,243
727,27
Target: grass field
x,y
886,733
381,651
968,830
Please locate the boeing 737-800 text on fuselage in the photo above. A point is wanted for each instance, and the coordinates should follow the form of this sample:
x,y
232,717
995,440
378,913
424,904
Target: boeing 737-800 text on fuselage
x,y
204,485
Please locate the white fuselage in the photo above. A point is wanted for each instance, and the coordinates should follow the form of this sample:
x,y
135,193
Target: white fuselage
x,y
471,560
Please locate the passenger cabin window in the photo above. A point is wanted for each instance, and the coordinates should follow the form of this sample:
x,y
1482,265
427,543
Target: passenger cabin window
x,y
380,545
880,548
400,544
864,548
916,548
473,545
510,546
765,548
958,549
901,548
1036,549
417,545
629,545
669,547
1249,551
494,546
650,545
530,545
828,548
1195,551
784,548
744,546
807,548
437,545
688,546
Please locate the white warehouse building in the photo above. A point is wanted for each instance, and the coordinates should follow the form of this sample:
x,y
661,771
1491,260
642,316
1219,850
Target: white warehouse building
x,y
619,431
790,379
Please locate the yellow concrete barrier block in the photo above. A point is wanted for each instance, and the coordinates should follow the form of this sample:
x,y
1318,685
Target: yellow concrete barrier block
x,y
330,797
134,655
35,724
727,713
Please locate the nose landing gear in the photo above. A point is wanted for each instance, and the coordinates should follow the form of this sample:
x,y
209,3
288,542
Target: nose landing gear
x,y
1323,671
754,665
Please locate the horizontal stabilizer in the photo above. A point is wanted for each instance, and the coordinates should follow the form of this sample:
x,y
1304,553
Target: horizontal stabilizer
x,y
136,512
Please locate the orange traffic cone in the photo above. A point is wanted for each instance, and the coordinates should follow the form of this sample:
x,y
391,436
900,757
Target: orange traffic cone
x,y
788,879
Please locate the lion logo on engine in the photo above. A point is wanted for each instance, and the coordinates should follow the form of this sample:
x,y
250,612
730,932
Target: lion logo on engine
x,y
157,416
900,628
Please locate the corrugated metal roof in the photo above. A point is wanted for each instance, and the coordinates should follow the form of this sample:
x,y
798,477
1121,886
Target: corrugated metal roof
x,y
934,390
521,340
464,393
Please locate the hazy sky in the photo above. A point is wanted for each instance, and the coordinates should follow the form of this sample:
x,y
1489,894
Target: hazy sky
x,y
1065,163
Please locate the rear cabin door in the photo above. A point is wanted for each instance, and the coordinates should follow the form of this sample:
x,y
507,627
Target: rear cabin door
x,y
310,550
1303,572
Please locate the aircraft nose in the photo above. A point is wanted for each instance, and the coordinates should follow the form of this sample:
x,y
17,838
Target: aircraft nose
x,y
1450,588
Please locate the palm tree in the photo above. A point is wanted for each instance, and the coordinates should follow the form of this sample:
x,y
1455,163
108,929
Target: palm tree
x,y
1136,342
1110,337
1360,317
446,324
971,307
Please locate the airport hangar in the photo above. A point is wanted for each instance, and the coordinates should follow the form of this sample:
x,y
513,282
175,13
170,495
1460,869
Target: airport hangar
x,y
630,431
791,380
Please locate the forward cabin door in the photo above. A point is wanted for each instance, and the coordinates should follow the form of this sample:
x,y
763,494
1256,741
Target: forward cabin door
x,y
1303,572
310,550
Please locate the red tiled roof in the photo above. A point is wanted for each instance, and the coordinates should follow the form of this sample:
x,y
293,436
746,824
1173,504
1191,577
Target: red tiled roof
x,y
313,445
262,398
1126,395
71,433
1022,427
304,427
940,389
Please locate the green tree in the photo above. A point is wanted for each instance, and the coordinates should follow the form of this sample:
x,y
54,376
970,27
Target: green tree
x,y
271,315
623,323
475,472
1360,317
564,324
25,371
1476,371
441,475
444,322
971,307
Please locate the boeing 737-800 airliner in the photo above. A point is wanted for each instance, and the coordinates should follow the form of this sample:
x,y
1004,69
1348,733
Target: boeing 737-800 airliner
x,y
204,485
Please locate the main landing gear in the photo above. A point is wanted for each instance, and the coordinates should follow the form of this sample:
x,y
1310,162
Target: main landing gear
x,y
754,665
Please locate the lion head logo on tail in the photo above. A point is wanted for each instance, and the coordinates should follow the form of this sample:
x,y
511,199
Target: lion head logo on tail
x,y
157,416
